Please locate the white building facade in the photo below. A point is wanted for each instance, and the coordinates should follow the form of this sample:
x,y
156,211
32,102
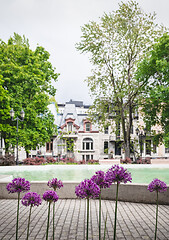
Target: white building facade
x,y
80,139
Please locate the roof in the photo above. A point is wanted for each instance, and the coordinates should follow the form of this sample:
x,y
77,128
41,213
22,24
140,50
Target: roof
x,y
76,103
70,111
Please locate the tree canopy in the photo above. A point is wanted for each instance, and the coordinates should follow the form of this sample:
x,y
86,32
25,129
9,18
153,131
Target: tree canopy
x,y
26,83
155,106
115,45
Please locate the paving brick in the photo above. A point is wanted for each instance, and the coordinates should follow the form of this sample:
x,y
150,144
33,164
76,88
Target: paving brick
x,y
135,221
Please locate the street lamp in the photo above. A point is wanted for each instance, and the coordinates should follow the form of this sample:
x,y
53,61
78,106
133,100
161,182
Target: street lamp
x,y
17,119
141,134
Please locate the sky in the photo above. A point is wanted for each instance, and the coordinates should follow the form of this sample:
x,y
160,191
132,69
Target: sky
x,y
56,25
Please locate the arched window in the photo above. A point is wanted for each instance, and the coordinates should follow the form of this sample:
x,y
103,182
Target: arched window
x,y
87,144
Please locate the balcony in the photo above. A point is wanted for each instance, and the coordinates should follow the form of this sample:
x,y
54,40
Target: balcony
x,y
114,138
72,134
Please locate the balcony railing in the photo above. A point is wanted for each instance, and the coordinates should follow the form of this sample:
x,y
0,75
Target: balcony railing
x,y
70,134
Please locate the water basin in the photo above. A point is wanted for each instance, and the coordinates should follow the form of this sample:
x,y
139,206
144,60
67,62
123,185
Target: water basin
x,y
140,173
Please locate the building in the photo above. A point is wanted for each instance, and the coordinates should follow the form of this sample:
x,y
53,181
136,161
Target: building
x,y
77,137
80,139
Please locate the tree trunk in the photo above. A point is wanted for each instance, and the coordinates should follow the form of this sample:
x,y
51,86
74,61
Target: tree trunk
x,y
127,149
126,136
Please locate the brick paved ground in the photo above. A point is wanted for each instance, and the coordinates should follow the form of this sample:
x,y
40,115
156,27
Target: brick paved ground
x,y
135,221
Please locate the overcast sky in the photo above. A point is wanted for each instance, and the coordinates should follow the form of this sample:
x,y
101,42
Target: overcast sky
x,y
55,25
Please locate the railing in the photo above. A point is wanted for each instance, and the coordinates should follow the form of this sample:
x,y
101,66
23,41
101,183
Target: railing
x,y
70,134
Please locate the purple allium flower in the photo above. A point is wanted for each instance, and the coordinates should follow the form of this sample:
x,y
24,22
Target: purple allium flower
x,y
18,185
31,198
99,179
87,189
118,174
50,196
55,183
157,185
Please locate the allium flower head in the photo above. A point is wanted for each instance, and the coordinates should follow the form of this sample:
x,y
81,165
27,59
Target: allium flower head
x,y
50,196
157,185
118,174
31,198
99,179
87,189
18,185
55,183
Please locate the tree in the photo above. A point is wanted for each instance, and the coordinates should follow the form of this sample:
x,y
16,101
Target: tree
x,y
155,69
4,110
26,79
116,44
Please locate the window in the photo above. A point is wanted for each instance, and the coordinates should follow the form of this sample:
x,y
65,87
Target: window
x,y
148,147
106,130
87,127
87,157
49,146
154,148
166,150
87,144
118,130
106,147
118,148
70,126
1,143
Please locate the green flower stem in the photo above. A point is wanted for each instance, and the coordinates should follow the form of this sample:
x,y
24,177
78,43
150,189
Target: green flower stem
x,y
87,230
100,215
17,216
48,221
29,222
53,220
105,228
156,218
115,219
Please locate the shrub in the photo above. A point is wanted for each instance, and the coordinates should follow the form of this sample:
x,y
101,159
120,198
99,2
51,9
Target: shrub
x,y
34,161
7,160
139,161
50,160
91,161
71,160
126,160
82,162
146,160
68,160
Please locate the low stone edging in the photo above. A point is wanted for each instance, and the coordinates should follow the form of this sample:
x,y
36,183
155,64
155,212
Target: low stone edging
x,y
131,192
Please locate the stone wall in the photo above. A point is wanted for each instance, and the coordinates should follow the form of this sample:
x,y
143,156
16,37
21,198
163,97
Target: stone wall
x,y
127,192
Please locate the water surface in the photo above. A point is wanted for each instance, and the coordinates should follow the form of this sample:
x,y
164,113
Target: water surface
x,y
140,173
